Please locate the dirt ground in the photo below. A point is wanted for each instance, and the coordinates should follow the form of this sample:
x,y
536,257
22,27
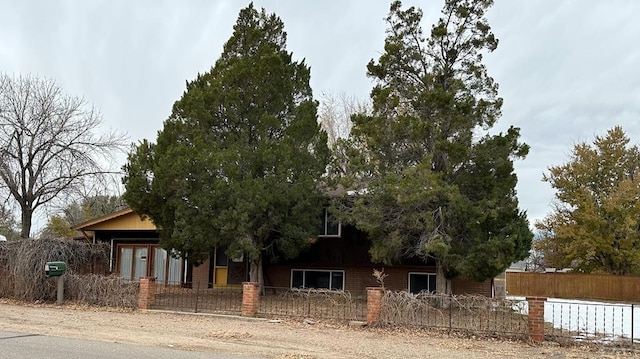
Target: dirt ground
x,y
259,338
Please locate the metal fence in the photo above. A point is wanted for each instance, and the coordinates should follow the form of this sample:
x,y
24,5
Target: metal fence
x,y
198,297
476,314
313,303
565,320
603,323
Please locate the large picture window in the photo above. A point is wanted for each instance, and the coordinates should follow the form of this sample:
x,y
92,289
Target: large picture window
x,y
317,279
422,282
139,260
330,226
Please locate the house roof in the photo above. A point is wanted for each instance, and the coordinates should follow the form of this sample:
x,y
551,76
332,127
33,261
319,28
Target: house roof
x,y
125,219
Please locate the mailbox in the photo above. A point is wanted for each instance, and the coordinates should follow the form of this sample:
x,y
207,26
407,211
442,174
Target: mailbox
x,y
54,269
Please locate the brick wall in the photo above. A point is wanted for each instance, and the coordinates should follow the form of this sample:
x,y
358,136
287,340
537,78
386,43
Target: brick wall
x,y
468,286
277,276
201,274
357,279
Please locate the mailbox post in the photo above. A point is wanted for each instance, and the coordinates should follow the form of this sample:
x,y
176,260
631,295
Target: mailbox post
x,y
56,269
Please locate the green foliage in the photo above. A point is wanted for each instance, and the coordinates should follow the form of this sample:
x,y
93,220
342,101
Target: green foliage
x,y
435,187
58,227
595,225
8,225
238,162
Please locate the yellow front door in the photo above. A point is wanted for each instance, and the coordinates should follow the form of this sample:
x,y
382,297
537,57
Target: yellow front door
x,y
220,276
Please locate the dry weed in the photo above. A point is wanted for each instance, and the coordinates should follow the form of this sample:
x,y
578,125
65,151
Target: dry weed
x,y
22,265
470,313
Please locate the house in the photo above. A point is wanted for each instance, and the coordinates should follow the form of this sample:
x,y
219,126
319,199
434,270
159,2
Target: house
x,y
135,252
341,261
338,259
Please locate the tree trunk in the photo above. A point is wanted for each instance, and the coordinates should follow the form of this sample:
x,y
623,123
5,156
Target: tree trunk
x,y
27,215
261,276
256,273
442,283
443,286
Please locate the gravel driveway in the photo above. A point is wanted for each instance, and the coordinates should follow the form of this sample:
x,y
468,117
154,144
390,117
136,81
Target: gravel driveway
x,y
286,340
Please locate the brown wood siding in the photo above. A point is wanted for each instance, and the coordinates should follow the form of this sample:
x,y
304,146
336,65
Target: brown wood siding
x,y
351,249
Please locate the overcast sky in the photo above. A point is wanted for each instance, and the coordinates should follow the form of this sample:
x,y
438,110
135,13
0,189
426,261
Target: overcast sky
x,y
567,69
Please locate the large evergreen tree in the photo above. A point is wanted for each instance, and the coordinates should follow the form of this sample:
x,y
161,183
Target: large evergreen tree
x,y
430,180
595,225
239,160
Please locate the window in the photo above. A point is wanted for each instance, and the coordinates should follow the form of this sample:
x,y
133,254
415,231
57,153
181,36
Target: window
x,y
166,268
419,282
317,279
330,226
125,265
133,262
139,260
221,257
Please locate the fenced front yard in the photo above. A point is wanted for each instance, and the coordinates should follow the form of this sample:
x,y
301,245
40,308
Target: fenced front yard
x,y
535,318
276,302
475,314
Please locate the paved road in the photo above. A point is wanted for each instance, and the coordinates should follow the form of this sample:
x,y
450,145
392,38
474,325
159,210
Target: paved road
x,y
34,346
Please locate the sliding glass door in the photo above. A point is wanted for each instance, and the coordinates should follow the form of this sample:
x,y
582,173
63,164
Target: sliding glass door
x,y
137,261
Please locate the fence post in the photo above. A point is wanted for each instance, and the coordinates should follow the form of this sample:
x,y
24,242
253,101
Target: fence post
x,y
374,304
536,318
147,294
250,298
450,312
197,293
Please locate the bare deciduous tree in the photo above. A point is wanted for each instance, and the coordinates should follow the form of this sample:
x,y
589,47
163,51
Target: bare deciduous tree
x,y
334,114
50,144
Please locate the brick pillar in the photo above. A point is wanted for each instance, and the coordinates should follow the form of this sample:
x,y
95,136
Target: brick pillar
x,y
250,298
147,295
374,304
536,318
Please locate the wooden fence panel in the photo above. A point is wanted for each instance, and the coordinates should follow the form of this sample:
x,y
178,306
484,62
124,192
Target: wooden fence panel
x,y
574,286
